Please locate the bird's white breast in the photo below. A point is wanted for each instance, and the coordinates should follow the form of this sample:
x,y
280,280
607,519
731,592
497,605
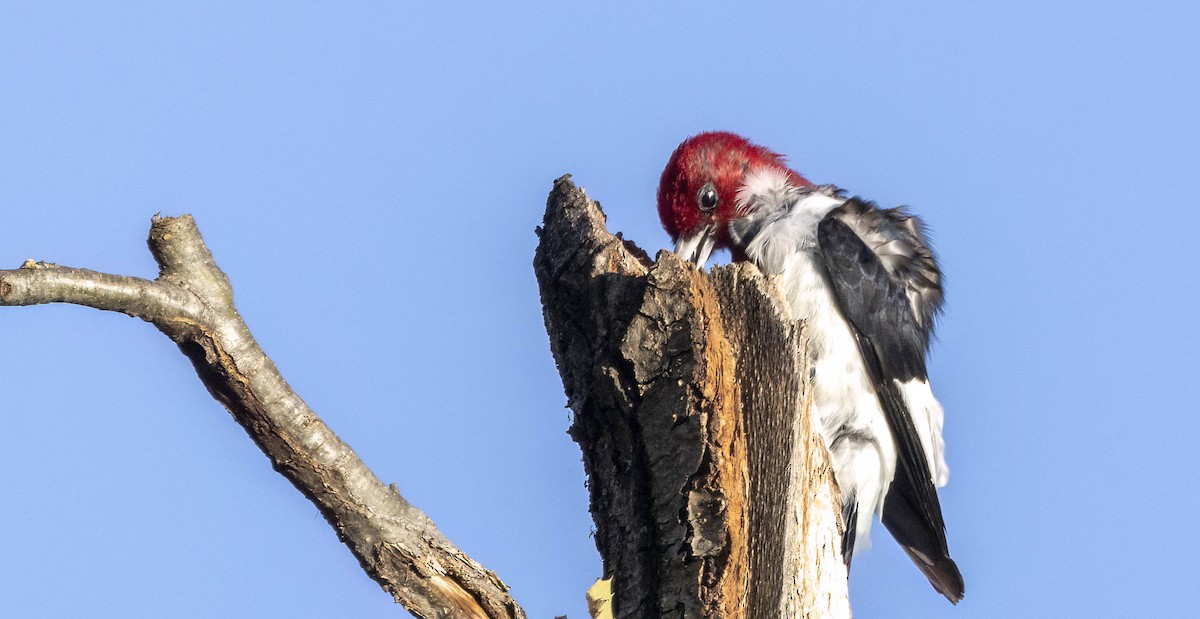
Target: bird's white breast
x,y
784,245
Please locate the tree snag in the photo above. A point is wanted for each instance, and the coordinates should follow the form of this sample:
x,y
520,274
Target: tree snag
x,y
711,491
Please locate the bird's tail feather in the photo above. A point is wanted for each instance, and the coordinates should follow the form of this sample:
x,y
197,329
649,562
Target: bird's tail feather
x,y
917,535
850,517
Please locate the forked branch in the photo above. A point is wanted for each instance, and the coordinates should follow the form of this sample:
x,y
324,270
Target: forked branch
x,y
191,301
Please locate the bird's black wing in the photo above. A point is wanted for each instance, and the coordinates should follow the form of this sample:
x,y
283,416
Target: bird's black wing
x,y
898,241
890,302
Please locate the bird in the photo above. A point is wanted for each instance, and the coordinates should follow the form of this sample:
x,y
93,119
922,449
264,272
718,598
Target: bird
x,y
868,287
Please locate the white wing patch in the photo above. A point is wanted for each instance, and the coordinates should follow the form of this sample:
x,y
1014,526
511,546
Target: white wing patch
x,y
927,417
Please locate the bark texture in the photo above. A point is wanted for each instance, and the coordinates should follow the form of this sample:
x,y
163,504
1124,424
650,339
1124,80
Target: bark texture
x,y
711,493
191,302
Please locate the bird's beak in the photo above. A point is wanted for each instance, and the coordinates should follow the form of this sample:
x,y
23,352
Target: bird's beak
x,y
697,247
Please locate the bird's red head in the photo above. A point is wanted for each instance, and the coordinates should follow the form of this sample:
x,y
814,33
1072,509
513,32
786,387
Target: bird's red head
x,y
697,196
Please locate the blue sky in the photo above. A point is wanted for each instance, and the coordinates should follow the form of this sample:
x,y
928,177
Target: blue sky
x,y
369,176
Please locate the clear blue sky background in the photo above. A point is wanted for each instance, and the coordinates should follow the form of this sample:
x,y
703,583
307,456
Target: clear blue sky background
x,y
370,175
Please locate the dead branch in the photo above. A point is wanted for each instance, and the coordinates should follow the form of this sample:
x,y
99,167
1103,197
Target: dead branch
x,y
191,301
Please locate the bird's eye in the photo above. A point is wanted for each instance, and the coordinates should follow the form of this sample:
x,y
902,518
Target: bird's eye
x,y
707,198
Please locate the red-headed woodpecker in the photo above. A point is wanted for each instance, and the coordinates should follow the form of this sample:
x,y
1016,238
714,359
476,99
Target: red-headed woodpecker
x,y
867,285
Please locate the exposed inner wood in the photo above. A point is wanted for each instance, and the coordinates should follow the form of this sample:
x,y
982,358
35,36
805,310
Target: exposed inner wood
x,y
711,494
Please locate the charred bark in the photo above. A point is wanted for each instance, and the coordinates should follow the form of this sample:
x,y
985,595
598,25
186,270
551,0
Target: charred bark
x,y
711,493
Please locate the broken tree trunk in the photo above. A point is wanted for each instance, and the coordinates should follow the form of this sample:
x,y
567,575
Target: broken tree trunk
x,y
711,491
